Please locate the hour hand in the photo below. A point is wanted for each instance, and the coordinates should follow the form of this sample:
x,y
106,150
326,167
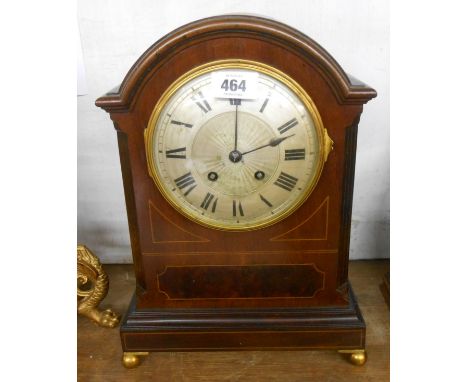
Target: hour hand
x,y
276,141
273,142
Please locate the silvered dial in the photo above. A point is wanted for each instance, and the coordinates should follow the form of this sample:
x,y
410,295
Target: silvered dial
x,y
235,163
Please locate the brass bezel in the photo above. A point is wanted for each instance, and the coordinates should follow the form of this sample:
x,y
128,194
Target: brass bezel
x,y
325,143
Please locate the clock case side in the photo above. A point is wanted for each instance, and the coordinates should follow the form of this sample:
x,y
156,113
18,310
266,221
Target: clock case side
x,y
347,204
132,219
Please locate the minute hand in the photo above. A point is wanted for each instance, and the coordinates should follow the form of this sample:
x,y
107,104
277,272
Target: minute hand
x,y
273,142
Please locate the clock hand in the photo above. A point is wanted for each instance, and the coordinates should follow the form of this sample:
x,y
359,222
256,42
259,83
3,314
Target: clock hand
x,y
235,132
273,142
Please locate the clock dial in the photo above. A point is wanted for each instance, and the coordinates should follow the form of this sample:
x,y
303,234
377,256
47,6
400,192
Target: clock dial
x,y
239,162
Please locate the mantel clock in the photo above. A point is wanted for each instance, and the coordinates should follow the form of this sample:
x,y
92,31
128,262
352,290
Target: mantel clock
x,y
237,139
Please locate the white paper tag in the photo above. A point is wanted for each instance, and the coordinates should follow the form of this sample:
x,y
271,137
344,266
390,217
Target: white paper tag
x,y
234,84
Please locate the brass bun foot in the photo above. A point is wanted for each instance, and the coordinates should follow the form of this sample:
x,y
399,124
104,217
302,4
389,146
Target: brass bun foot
x,y
357,357
132,359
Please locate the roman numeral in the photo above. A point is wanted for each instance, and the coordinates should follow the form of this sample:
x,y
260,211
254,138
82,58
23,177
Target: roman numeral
x,y
234,209
182,124
265,201
294,154
207,201
201,102
186,180
235,101
286,181
176,153
288,125
264,105
213,209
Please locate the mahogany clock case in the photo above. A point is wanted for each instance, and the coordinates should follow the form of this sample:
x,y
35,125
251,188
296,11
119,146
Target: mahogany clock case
x,y
282,286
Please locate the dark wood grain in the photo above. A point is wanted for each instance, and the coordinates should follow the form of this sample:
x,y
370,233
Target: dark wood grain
x,y
347,201
248,281
130,203
164,239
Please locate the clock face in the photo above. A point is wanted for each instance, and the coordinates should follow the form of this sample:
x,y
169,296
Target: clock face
x,y
235,145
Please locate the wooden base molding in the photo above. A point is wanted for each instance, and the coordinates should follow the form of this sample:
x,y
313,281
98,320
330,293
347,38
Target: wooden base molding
x,y
155,330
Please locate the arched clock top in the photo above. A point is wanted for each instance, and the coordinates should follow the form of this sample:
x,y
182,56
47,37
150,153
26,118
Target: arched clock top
x,y
346,89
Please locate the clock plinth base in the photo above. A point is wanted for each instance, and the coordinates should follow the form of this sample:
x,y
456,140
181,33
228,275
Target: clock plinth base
x,y
324,328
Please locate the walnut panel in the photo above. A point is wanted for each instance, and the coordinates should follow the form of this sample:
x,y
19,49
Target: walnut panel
x,y
237,282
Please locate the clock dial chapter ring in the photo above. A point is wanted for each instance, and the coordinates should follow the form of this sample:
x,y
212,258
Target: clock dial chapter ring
x,y
239,167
